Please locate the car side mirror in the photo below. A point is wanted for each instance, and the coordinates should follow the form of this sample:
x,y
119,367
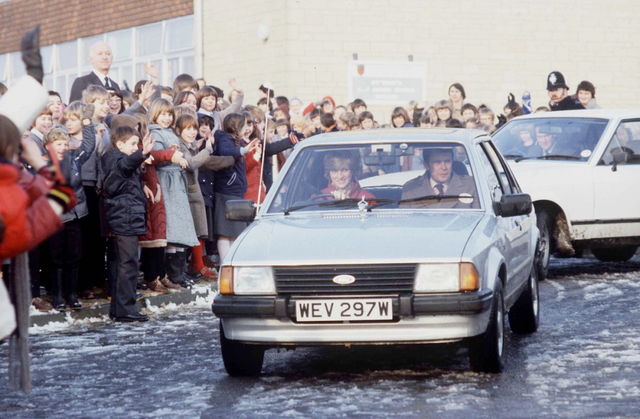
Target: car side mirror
x,y
240,210
511,205
621,155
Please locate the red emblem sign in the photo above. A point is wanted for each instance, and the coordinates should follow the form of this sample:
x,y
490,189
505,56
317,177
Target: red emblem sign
x,y
361,69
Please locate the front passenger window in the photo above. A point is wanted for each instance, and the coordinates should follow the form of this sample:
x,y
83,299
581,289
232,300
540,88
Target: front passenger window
x,y
624,146
490,175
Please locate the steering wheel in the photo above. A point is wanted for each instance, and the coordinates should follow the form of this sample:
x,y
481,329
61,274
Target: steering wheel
x,y
322,195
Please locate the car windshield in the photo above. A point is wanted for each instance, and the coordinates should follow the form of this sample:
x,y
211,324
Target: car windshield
x,y
378,176
550,138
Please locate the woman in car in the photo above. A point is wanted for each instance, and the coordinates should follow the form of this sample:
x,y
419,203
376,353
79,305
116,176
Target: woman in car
x,y
340,169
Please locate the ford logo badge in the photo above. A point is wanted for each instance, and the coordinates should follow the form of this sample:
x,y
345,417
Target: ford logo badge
x,y
344,279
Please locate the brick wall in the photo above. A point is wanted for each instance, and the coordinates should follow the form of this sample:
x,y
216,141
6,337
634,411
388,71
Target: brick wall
x,y
66,20
491,47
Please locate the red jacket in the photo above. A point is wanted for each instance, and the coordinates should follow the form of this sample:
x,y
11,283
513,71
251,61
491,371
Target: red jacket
x,y
252,167
156,212
25,211
356,192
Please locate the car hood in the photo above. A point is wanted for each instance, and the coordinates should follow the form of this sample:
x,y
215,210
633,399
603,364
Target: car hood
x,y
339,237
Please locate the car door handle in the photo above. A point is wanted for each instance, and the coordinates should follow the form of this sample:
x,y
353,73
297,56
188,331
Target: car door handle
x,y
518,224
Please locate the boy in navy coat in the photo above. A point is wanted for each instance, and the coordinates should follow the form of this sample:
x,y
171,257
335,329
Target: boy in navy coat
x,y
125,215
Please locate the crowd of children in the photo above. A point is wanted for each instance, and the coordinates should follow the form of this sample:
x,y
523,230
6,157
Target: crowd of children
x,y
152,170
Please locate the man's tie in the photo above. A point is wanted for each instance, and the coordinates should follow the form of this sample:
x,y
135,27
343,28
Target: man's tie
x,y
440,188
106,82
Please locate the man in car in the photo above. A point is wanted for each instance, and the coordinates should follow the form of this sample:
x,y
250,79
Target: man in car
x,y
558,93
548,145
444,187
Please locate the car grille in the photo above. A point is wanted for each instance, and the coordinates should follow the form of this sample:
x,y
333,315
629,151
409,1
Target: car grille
x,y
370,279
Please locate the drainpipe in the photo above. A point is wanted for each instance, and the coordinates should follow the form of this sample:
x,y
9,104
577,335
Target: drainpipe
x,y
198,35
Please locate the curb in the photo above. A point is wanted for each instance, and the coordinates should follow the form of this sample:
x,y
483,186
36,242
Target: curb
x,y
100,310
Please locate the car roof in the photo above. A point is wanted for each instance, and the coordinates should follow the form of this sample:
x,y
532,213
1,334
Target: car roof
x,y
585,113
457,135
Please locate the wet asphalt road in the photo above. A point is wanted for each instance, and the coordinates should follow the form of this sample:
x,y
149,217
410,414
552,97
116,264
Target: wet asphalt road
x,y
583,362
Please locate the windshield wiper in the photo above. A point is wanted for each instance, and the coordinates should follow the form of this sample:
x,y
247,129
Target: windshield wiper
x,y
558,157
431,198
516,157
322,204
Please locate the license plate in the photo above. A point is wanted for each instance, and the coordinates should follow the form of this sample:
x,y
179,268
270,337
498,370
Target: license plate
x,y
362,309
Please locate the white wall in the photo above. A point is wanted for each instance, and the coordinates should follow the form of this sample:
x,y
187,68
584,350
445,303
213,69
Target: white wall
x,y
491,47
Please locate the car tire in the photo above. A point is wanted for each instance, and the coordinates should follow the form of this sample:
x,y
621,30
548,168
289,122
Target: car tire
x,y
487,351
614,254
524,316
546,244
240,359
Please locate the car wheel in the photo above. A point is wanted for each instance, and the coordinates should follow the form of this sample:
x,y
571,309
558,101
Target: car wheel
x,y
240,359
544,225
486,352
524,316
614,254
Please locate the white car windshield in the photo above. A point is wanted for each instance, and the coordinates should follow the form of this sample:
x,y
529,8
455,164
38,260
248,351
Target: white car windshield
x,y
550,138
378,176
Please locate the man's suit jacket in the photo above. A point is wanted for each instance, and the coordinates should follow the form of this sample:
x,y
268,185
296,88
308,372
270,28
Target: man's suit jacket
x,y
458,185
81,83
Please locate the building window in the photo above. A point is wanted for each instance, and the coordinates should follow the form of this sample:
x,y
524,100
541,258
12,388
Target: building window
x,y
168,44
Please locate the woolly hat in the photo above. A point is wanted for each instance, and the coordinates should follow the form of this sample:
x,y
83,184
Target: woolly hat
x,y
23,102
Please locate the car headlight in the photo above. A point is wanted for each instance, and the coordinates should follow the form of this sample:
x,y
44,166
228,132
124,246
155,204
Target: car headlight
x,y
244,280
446,277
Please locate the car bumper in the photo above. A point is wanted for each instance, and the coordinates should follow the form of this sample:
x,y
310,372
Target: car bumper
x,y
417,319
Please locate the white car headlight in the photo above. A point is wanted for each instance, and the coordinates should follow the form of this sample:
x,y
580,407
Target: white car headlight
x,y
437,277
253,280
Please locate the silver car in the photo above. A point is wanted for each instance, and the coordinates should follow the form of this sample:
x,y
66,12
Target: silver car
x,y
401,236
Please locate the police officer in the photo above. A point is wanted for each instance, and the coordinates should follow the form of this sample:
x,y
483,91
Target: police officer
x,y
558,93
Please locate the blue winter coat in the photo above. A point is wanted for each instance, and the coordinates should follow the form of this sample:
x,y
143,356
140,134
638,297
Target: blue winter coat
x,y
231,181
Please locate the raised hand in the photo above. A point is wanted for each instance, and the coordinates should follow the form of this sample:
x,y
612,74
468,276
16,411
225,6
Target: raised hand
x,y
512,104
253,145
146,93
293,138
88,112
151,71
235,85
147,144
30,153
30,49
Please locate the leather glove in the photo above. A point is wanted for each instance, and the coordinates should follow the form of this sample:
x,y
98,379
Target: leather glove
x,y
88,111
30,48
63,195
501,120
512,104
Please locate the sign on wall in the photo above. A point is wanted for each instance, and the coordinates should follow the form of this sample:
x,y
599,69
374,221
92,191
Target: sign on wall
x,y
387,82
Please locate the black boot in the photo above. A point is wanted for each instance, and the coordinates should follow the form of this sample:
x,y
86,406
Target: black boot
x,y
71,287
173,265
55,276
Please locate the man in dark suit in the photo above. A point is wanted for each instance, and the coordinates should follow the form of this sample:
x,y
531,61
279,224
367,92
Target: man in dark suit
x,y
439,180
101,58
547,145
